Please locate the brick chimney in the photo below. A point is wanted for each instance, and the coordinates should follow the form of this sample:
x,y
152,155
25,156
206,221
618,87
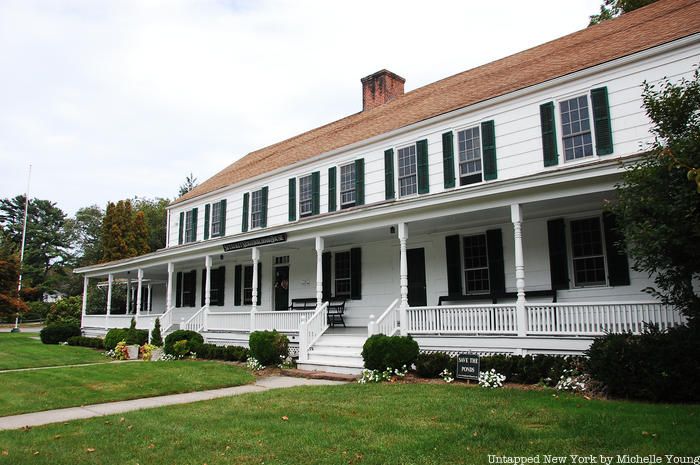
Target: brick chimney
x,y
379,88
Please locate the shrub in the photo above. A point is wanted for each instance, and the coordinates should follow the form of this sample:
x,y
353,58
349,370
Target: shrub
x,y
432,365
381,352
194,340
94,342
267,346
58,332
156,335
38,310
655,365
113,337
228,353
66,311
530,369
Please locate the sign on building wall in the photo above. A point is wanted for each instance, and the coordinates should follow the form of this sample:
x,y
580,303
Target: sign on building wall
x,y
272,239
468,366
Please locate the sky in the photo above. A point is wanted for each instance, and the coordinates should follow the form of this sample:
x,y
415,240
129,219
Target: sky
x,y
111,99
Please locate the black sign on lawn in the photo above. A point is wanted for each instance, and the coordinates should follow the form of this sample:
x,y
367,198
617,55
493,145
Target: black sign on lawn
x,y
468,366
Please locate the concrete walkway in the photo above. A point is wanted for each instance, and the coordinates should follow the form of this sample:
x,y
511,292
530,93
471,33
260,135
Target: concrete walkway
x,y
111,408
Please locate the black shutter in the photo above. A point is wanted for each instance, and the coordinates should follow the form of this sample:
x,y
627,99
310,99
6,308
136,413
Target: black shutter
x,y
222,218
178,289
263,208
259,284
315,192
558,262
207,207
332,196
356,273
497,274
360,181
601,121
448,160
454,269
181,228
191,282
244,216
389,174
549,134
204,284
488,150
237,289
422,166
326,276
618,266
220,285
292,199
194,225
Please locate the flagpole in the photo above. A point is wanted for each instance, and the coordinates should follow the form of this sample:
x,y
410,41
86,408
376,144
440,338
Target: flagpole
x,y
21,253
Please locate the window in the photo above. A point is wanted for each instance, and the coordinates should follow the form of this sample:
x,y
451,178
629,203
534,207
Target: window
x,y
469,147
347,186
216,215
305,196
587,252
190,233
342,274
248,285
408,179
186,288
576,128
476,264
216,291
256,210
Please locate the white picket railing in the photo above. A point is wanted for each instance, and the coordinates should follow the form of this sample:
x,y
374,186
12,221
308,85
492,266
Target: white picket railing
x,y
590,319
166,320
310,330
462,319
198,321
228,321
387,323
285,321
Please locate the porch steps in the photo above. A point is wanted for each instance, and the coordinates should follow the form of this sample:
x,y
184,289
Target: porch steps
x,y
337,353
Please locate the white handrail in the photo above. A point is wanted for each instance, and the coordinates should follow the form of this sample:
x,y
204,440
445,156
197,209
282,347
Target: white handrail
x,y
166,319
197,322
388,322
311,330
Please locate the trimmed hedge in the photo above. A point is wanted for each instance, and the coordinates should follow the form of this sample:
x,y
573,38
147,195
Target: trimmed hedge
x,y
116,335
94,342
381,352
431,365
228,353
193,339
59,332
268,347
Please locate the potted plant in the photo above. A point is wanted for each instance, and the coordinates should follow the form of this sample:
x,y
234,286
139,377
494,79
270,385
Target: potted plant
x,y
132,341
156,341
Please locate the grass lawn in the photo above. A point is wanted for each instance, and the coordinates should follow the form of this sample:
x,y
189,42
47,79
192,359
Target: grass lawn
x,y
22,350
30,391
378,424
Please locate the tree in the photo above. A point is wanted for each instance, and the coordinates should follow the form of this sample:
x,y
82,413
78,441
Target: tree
x,y
155,212
118,234
613,8
658,204
10,303
189,184
86,235
68,311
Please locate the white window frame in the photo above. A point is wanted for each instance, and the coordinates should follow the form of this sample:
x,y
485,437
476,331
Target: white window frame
x,y
466,291
570,251
335,274
303,214
340,190
243,284
397,171
457,161
188,236
216,207
558,121
252,212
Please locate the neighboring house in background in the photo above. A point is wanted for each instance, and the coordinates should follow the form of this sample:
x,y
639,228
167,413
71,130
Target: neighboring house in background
x,y
53,296
467,213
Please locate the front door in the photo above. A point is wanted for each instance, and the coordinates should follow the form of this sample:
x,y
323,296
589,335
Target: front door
x,y
416,277
281,287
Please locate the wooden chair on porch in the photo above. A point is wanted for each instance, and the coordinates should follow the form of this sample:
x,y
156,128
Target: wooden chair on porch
x,y
336,309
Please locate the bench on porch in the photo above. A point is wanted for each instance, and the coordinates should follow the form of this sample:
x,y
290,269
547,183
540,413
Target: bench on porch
x,y
494,297
336,309
306,303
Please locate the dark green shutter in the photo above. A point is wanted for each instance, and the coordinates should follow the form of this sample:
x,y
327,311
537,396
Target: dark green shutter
x,y
263,208
204,284
389,174
448,159
194,225
237,289
601,121
220,285
549,134
292,199
360,181
422,159
497,274
315,192
488,150
207,207
178,289
222,217
558,264
244,216
356,273
332,196
454,268
618,266
326,276
181,228
258,300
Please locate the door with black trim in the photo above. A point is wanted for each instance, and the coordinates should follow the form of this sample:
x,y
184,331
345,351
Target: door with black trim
x,y
281,287
416,277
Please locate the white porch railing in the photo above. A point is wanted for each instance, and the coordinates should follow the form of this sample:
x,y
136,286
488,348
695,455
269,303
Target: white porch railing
x,y
104,321
592,319
166,319
462,319
198,321
311,329
285,321
387,323
228,321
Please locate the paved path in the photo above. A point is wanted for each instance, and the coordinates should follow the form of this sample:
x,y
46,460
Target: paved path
x,y
110,408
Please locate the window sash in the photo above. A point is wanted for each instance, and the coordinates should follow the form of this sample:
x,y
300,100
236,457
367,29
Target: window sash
x,y
256,209
476,264
576,128
188,226
408,170
305,195
587,252
248,285
342,274
347,185
469,150
216,219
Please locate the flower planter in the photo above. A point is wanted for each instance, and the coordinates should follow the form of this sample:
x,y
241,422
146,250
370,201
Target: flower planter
x,y
156,354
133,351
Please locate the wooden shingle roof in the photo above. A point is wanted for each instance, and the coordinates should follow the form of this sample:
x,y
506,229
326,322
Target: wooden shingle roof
x,y
656,24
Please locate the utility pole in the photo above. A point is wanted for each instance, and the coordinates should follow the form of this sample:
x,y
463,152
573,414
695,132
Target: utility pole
x,y
21,253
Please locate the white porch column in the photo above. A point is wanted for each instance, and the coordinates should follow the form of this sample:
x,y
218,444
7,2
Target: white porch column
x,y
169,287
207,289
254,306
110,278
516,215
148,299
139,291
403,279
319,271
86,282
128,293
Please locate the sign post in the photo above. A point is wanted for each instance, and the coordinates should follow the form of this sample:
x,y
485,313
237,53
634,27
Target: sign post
x,y
468,366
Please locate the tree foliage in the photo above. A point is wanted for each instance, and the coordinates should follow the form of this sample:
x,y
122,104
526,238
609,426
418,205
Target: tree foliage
x,y
10,303
86,235
658,204
613,8
124,232
189,184
155,216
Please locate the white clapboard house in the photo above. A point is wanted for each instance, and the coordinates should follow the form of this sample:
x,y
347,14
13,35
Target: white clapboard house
x,y
468,213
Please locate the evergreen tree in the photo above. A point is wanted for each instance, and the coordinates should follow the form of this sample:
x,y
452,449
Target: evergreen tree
x,y
189,184
613,8
156,336
140,233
